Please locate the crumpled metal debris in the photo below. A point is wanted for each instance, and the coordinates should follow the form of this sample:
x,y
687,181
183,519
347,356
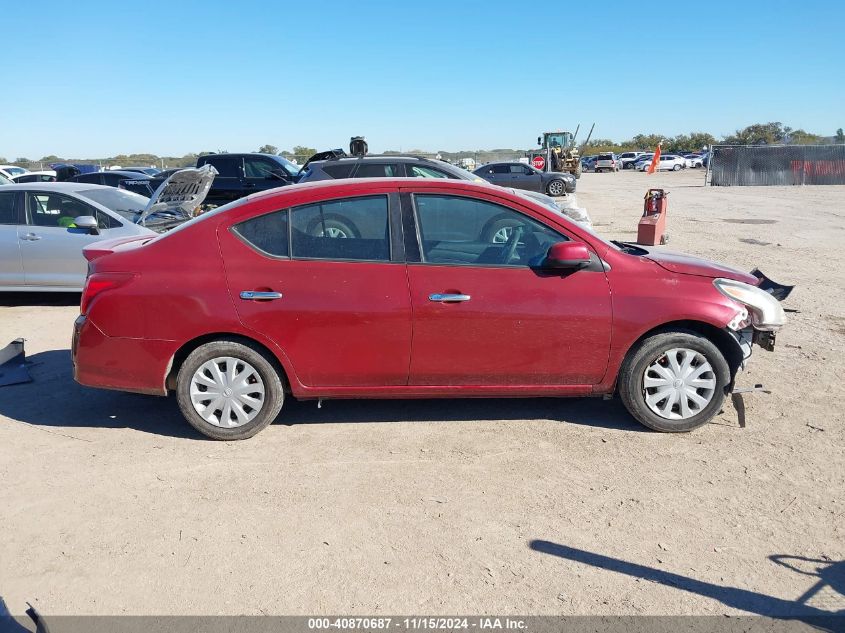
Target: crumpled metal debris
x,y
13,365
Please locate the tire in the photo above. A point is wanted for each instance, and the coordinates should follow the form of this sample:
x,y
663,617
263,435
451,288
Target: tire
x,y
496,230
333,227
247,358
578,170
655,350
556,188
676,168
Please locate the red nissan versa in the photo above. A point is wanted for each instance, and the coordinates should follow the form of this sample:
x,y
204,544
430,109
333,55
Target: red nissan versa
x,y
409,288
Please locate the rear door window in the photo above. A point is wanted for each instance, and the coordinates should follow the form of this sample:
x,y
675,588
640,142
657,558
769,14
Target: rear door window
x,y
8,214
339,170
346,229
377,170
418,171
226,167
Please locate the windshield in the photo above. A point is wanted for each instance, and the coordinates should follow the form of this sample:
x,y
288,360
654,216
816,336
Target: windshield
x,y
291,168
124,202
4,180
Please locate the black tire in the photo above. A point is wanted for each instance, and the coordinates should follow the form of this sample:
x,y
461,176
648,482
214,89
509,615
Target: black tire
x,y
578,170
559,184
274,393
640,357
331,224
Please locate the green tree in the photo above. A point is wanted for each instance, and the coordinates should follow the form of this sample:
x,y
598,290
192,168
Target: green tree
x,y
840,136
303,153
800,137
760,134
268,149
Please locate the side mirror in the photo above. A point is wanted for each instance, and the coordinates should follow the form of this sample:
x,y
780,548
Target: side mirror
x,y
87,222
568,256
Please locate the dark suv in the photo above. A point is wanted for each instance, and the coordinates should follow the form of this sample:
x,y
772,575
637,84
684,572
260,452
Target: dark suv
x,y
381,166
239,175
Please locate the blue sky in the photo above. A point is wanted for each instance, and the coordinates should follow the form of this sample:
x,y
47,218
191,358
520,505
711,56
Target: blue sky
x,y
90,79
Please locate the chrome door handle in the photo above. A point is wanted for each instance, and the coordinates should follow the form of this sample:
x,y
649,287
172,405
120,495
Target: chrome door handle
x,y
255,295
31,237
447,298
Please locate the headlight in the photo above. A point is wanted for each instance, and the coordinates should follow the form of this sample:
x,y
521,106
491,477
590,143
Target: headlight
x,y
766,313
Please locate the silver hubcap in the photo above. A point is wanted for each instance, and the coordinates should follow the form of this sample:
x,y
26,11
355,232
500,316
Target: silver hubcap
x,y
679,384
332,231
227,392
555,188
503,235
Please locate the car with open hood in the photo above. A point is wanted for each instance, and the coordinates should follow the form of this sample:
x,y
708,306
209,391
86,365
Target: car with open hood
x,y
422,301
45,226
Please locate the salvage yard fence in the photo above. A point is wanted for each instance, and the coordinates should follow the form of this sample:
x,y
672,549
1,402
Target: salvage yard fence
x,y
744,165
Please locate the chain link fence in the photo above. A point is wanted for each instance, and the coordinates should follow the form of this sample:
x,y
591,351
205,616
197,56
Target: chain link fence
x,y
743,165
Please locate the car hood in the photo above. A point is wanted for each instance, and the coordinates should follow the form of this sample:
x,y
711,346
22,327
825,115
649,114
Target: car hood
x,y
690,265
178,198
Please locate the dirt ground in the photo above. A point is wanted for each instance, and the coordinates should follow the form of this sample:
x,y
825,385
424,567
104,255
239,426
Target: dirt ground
x,y
111,504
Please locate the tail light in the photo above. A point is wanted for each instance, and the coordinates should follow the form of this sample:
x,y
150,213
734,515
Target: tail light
x,y
99,283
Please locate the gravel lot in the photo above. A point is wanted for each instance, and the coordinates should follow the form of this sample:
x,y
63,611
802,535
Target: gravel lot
x,y
111,504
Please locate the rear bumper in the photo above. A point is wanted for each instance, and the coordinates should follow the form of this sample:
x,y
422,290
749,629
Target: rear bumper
x,y
125,364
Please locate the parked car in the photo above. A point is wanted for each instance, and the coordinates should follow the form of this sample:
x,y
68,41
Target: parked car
x,y
44,227
4,180
693,161
588,163
339,165
268,307
35,176
643,158
606,162
240,175
10,171
667,162
627,159
521,176
129,180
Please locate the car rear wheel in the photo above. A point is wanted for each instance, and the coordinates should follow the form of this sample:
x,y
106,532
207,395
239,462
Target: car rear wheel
x,y
228,390
674,381
331,227
555,188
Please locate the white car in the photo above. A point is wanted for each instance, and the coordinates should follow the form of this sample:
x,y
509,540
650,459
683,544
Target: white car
x,y
629,159
45,225
48,175
693,161
10,171
667,162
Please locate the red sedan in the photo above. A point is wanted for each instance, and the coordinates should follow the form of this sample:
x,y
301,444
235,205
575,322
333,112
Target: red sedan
x,y
409,288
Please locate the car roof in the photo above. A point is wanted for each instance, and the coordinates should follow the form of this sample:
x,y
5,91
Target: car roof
x,y
354,184
58,187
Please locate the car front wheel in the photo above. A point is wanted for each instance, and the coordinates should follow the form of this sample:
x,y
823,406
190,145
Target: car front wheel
x,y
229,390
674,381
555,188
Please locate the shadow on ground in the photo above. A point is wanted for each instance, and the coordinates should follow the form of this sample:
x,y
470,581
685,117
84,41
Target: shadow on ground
x,y
9,299
54,399
828,574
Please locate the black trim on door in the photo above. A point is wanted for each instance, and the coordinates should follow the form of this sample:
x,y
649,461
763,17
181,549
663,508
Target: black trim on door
x,y
395,219
409,230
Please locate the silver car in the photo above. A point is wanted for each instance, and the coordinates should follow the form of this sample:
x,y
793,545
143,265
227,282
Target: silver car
x,y
44,227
